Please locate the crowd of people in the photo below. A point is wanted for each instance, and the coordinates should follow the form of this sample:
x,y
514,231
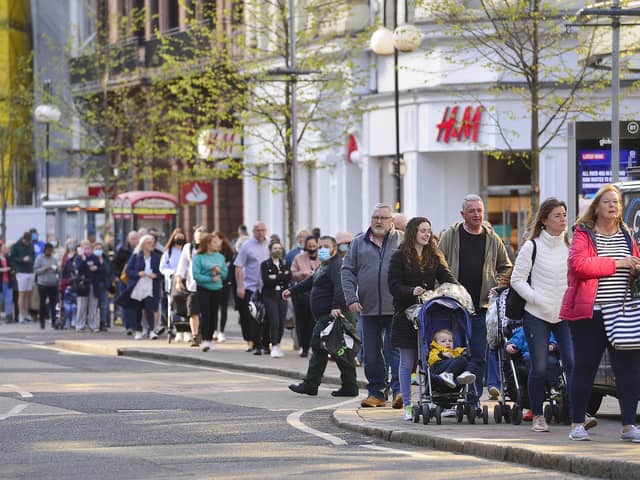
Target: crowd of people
x,y
366,281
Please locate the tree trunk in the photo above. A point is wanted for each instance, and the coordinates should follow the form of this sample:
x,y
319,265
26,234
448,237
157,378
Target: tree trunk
x,y
535,116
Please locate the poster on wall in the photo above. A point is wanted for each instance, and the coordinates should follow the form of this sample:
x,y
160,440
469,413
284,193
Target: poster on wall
x,y
593,157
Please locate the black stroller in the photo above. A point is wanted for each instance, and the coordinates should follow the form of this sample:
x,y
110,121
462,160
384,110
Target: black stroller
x,y
177,319
513,378
444,313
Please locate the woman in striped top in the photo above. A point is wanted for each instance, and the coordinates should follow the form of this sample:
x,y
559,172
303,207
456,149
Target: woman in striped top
x,y
602,258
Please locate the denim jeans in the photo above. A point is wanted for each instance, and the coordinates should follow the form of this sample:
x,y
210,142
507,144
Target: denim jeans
x,y
7,296
407,360
103,307
379,355
493,370
589,342
537,332
478,344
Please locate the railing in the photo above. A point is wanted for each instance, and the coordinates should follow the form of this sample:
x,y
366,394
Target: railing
x,y
179,44
119,58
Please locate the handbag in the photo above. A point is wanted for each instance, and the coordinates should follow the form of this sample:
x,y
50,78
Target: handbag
x,y
514,304
124,278
142,289
622,323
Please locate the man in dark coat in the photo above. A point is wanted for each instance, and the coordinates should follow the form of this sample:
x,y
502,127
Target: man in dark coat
x,y
327,304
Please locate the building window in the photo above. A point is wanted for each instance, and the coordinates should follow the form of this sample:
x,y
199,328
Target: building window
x,y
154,15
173,14
209,11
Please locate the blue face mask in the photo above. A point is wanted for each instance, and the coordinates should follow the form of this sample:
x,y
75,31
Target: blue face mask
x,y
324,254
97,253
34,237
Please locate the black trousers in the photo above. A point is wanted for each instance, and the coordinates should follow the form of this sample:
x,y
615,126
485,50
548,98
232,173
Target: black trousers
x,y
245,317
51,294
304,320
209,301
276,315
224,305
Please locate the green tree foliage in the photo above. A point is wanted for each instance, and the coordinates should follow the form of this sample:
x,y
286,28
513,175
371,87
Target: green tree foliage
x,y
524,42
16,134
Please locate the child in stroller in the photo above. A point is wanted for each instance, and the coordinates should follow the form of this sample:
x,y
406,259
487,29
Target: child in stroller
x,y
446,319
447,362
518,344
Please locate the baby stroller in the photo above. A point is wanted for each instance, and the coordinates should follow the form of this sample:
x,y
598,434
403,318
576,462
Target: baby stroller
x,y
514,373
444,313
177,318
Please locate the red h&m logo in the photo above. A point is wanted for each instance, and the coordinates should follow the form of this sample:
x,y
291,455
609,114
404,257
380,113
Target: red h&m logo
x,y
468,128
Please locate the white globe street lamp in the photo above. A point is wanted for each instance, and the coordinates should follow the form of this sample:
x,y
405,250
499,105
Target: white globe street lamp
x,y
404,38
47,114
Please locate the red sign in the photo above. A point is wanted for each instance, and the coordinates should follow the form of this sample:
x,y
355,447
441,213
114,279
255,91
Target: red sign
x,y
98,191
196,192
468,127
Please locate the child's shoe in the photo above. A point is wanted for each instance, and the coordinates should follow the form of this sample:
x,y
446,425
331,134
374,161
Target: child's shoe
x,y
408,412
466,377
447,379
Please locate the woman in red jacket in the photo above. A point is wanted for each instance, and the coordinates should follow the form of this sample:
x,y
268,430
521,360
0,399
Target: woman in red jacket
x,y
602,258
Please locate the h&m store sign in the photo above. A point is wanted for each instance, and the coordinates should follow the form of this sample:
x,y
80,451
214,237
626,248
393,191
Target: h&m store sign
x,y
459,124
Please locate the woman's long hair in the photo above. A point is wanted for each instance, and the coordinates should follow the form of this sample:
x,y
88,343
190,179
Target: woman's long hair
x,y
204,242
172,238
225,249
545,209
590,215
430,253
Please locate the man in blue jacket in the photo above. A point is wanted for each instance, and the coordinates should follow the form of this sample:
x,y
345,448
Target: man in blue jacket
x,y
366,292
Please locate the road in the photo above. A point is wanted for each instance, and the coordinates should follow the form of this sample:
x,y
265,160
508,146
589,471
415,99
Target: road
x,y
76,416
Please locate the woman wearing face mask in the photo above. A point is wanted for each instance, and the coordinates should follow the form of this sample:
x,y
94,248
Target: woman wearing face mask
x,y
276,276
303,266
105,282
87,265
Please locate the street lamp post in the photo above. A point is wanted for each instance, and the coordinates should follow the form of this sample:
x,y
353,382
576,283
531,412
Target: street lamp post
x,y
404,38
47,114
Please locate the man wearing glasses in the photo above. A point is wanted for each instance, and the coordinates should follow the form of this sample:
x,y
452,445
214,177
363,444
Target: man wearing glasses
x,y
366,291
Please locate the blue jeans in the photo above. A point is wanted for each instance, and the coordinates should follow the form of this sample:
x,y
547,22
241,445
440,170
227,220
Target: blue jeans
x,y
589,342
379,355
537,332
493,371
70,309
478,344
407,361
103,307
7,296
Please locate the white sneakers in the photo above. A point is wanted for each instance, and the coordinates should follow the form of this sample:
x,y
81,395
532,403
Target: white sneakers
x,y
138,336
187,336
632,435
408,412
539,424
276,352
579,434
179,337
447,378
221,337
206,346
466,377
153,335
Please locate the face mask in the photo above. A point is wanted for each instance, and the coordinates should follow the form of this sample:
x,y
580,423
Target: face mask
x,y
34,237
343,247
312,253
324,254
54,243
97,253
277,254
79,250
71,248
180,241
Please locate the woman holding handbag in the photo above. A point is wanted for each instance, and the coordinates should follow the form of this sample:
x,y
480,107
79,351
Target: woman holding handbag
x,y
540,277
413,269
602,259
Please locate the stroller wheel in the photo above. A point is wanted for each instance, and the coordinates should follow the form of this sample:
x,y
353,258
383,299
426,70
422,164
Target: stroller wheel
x,y
497,413
485,415
426,415
516,415
548,413
507,413
438,414
459,413
471,414
416,413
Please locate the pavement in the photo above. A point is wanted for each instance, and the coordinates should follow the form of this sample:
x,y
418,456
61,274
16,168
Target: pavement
x,y
603,457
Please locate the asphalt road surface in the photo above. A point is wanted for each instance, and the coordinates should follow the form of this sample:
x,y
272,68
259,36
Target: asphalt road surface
x,y
75,416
